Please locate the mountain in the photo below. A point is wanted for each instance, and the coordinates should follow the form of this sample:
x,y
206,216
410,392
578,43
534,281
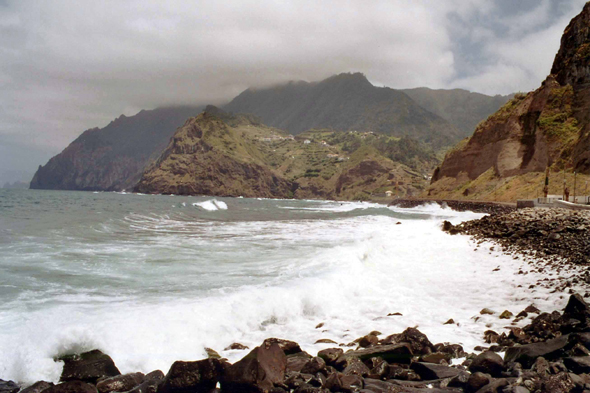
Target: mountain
x,y
461,108
114,157
217,153
345,102
508,154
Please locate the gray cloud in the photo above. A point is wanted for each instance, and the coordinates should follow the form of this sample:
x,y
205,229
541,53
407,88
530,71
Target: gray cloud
x,y
70,65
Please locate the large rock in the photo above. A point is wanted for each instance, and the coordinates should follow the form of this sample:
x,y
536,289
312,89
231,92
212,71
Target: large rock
x,y
194,377
527,354
258,371
394,353
88,367
120,383
289,347
417,340
338,382
578,364
72,387
38,387
488,362
150,383
330,355
8,387
428,371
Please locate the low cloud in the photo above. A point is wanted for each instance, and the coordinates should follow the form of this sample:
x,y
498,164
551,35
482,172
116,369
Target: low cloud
x,y
70,65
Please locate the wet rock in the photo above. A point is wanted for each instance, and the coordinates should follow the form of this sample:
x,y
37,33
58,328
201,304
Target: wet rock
x,y
394,353
559,383
314,365
330,355
368,341
325,341
88,367
379,370
477,380
532,309
419,343
8,387
437,358
449,322
150,383
356,367
199,376
120,383
527,354
487,311
71,387
506,315
338,382
460,380
578,364
236,346
428,371
289,347
487,362
455,350
495,386
37,387
212,354
297,361
260,370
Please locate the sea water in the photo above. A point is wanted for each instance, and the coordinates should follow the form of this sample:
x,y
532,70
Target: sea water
x,y
152,279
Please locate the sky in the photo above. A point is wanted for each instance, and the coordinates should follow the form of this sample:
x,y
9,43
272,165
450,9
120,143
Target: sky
x,y
67,66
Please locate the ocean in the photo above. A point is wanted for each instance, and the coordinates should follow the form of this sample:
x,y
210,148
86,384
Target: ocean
x,y
150,279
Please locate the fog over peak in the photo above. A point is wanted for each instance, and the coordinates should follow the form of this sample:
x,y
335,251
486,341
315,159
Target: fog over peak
x,y
68,65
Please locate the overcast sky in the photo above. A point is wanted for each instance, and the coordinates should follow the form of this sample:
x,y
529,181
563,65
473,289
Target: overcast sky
x,y
66,66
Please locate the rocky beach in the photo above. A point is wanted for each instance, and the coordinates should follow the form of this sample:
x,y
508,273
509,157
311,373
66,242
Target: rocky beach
x,y
548,353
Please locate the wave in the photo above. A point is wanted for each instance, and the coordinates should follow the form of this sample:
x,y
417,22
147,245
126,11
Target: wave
x,y
212,205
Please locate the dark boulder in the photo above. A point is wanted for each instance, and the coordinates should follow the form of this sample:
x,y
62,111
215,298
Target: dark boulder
x,y
297,361
338,382
88,367
195,377
477,380
120,383
394,353
330,355
150,383
418,341
558,383
8,387
428,371
368,341
314,365
487,362
356,367
578,364
289,347
37,387
71,387
527,354
258,371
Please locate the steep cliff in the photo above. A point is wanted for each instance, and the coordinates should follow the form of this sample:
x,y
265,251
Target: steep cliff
x,y
217,153
206,156
345,102
546,128
112,158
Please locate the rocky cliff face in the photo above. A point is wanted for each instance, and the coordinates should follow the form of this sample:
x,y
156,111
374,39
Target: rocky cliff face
x,y
112,158
547,128
217,153
207,157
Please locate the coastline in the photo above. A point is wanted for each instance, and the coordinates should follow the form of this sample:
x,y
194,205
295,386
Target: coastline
x,y
400,362
458,205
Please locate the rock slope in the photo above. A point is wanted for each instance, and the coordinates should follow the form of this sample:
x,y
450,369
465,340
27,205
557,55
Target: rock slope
x,y
546,128
345,102
112,158
217,153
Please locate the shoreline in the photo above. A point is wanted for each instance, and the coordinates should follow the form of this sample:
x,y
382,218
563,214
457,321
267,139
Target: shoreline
x,y
399,362
458,205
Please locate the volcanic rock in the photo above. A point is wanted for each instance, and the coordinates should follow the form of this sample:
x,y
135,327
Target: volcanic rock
x,y
88,367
